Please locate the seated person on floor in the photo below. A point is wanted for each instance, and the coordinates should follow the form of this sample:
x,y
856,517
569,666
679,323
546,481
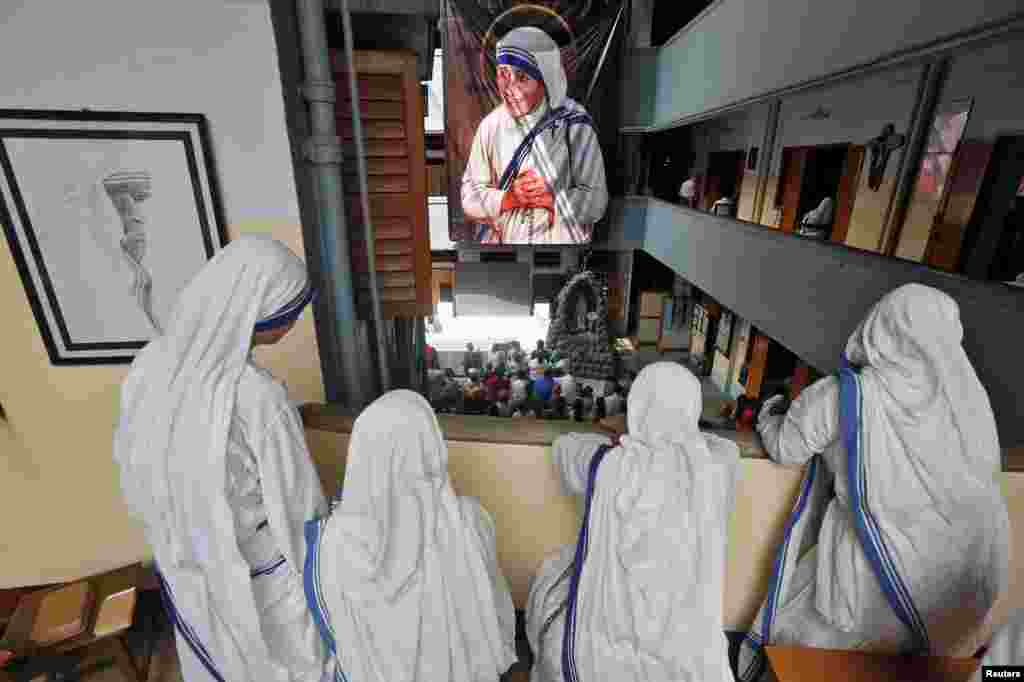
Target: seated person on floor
x,y
543,393
612,402
402,576
567,387
472,359
900,539
583,407
639,596
520,390
540,354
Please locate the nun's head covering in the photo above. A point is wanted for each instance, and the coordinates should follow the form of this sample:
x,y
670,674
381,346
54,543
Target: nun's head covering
x,y
911,343
532,51
400,565
178,399
176,409
659,512
664,403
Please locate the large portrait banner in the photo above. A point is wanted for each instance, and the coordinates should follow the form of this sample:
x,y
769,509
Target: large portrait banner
x,y
523,149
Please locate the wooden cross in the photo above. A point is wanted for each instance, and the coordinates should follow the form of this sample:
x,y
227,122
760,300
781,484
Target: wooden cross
x,y
881,148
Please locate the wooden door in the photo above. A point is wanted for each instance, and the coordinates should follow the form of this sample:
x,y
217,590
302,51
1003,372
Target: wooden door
x,y
713,192
790,183
757,365
946,240
995,203
391,108
847,194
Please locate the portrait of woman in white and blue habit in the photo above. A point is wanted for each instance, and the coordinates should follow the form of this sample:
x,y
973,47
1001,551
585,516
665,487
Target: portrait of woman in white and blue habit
x,y
535,173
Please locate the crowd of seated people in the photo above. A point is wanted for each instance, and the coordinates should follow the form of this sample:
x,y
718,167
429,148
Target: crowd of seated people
x,y
512,385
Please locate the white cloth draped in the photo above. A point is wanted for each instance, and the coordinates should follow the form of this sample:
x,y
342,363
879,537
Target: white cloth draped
x,y
179,405
926,461
649,601
567,157
403,576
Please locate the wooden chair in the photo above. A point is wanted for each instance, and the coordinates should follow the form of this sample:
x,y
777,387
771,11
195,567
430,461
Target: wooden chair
x,y
59,631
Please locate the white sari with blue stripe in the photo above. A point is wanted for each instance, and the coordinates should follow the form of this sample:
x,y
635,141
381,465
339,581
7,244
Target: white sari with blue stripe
x,y
190,398
402,577
898,540
639,596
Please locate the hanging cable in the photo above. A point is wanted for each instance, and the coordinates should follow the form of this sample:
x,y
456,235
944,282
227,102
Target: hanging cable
x,y
364,198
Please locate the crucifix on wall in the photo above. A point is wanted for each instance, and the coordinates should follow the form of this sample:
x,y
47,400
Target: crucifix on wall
x,y
881,148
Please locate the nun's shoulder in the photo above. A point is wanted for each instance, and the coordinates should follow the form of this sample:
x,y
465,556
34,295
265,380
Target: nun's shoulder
x,y
721,447
261,395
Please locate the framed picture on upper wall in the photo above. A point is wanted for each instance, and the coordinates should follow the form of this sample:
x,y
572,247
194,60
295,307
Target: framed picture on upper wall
x,y
108,216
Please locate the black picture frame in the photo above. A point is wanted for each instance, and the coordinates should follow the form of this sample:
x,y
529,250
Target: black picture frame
x,y
107,215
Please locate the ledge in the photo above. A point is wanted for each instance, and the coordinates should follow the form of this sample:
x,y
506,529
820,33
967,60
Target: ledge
x,y
810,295
503,430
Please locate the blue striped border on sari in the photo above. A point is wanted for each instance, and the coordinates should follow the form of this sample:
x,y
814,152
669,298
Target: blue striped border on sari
x,y
758,640
569,637
186,631
851,410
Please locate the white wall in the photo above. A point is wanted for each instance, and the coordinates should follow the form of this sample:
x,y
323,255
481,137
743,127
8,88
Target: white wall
x,y
59,490
745,48
212,57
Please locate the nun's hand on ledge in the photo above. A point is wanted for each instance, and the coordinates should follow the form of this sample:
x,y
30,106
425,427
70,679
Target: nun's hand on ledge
x,y
773,406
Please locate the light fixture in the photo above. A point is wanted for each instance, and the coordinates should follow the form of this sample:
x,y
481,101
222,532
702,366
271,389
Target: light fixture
x,y
819,114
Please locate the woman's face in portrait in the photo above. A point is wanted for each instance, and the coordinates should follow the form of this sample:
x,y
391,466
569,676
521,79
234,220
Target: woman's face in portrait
x,y
521,93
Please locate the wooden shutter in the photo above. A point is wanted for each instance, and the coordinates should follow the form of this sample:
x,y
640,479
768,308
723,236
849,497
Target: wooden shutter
x,y
391,108
792,182
962,188
848,184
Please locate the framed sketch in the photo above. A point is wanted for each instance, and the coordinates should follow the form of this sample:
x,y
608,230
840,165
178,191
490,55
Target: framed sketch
x,y
108,216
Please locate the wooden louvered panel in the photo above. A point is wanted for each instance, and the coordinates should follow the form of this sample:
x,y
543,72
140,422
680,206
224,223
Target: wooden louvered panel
x,y
395,263
395,309
397,295
380,207
378,166
378,184
383,247
387,279
370,110
373,130
396,178
392,228
378,88
387,149
374,62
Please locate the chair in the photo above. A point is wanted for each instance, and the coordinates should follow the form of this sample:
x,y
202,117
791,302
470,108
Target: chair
x,y
58,631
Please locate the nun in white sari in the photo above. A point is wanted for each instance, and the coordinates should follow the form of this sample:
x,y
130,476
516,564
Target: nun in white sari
x,y
899,537
214,462
639,596
537,136
402,577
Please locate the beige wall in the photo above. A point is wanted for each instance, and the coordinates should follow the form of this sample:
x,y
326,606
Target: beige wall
x,y
59,490
520,488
